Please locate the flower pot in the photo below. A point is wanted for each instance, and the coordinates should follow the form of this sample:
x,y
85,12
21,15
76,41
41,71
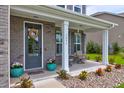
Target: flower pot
x,y
51,67
16,72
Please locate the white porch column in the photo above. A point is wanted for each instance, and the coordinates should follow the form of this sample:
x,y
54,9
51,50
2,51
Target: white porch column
x,y
65,52
105,48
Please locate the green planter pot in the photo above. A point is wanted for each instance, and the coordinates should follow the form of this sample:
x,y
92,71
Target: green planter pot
x,y
16,72
51,67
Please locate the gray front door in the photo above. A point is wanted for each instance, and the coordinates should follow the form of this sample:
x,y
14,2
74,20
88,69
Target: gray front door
x,y
33,47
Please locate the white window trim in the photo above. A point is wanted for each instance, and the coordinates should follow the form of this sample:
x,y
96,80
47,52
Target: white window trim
x,y
65,6
75,43
62,7
73,8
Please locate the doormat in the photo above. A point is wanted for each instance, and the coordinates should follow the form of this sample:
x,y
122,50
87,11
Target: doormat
x,y
35,72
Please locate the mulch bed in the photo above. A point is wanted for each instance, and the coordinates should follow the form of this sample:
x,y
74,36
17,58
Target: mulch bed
x,y
109,80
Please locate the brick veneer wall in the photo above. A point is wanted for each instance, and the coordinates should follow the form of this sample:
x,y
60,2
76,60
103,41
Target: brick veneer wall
x,y
4,47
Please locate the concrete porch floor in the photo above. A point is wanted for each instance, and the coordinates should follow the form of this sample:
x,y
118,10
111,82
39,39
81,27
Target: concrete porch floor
x,y
75,69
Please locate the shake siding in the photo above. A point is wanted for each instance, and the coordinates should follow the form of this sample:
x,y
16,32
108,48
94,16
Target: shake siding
x,y
4,80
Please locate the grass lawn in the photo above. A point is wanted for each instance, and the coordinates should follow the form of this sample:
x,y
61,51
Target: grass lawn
x,y
120,86
118,58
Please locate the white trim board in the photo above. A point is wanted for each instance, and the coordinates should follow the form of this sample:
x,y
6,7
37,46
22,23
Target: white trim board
x,y
24,45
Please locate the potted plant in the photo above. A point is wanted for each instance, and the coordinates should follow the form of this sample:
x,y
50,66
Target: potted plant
x,y
51,65
16,69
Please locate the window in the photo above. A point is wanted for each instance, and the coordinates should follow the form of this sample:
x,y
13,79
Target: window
x,y
63,6
58,42
77,8
77,42
69,7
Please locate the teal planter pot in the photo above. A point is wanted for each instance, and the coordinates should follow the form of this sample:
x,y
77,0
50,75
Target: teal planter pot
x,y
51,67
16,72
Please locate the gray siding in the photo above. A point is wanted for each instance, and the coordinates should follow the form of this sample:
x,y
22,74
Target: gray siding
x,y
4,80
113,33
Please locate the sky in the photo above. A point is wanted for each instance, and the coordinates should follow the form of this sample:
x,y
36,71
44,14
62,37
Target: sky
x,y
108,8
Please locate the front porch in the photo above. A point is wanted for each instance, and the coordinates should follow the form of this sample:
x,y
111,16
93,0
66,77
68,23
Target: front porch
x,y
75,69
43,21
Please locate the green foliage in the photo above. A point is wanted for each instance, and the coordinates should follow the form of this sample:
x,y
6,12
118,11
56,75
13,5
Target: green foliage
x,y
112,60
16,65
122,49
118,59
98,48
98,58
108,68
63,74
90,47
83,75
93,47
120,85
116,48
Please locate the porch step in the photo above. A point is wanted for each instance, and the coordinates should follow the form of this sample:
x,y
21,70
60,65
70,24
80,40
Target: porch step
x,y
91,69
45,78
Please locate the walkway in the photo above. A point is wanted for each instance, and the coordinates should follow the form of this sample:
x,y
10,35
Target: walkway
x,y
48,83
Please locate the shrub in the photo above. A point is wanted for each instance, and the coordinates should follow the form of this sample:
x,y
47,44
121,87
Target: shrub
x,y
111,60
83,75
100,72
25,82
118,66
115,47
98,58
97,48
122,49
63,74
90,47
93,47
108,68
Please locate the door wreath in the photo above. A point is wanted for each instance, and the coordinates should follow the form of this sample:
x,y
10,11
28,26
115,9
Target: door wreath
x,y
33,33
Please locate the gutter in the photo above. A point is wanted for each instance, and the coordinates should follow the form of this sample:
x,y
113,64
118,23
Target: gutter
x,y
77,14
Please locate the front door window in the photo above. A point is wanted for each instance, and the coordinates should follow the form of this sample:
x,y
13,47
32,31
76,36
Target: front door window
x,y
33,42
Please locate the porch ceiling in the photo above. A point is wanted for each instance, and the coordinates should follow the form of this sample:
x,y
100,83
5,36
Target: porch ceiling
x,y
58,15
